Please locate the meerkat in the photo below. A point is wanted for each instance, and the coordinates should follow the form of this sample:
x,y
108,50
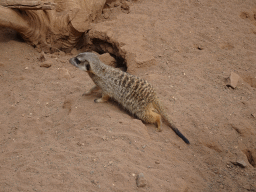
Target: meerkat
x,y
133,93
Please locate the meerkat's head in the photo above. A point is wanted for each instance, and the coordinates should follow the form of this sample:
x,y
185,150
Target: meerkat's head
x,y
86,61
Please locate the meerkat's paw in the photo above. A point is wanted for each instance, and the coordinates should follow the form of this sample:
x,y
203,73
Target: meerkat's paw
x,y
158,129
103,99
94,88
100,100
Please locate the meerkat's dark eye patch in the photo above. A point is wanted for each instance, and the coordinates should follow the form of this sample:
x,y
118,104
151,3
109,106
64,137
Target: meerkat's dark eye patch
x,y
88,67
77,61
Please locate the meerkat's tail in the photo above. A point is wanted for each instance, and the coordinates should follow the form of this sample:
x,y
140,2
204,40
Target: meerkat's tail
x,y
160,110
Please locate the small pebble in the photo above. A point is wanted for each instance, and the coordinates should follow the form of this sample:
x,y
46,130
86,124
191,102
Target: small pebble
x,y
42,57
45,65
141,181
240,163
125,6
233,80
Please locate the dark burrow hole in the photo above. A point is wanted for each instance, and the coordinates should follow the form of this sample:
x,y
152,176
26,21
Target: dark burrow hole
x,y
250,158
102,47
10,34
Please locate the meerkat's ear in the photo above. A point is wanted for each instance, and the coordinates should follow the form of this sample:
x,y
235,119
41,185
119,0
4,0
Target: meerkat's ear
x,y
84,66
88,67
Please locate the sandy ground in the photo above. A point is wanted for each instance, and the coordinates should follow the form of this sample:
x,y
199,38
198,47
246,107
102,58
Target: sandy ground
x,y
53,139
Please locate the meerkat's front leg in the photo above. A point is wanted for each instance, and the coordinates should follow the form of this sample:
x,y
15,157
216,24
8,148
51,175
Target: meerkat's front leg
x,y
94,88
103,99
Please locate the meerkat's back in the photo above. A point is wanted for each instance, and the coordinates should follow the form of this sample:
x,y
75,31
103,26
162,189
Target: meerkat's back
x,y
132,92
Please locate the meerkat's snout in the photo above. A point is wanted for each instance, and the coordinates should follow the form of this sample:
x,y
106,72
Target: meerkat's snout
x,y
73,61
84,66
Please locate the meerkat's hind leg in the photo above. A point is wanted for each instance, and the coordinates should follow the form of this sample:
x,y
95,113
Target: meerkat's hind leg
x,y
94,88
151,116
157,119
103,99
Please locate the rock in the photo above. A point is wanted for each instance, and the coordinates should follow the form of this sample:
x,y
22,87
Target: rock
x,y
105,138
80,144
67,105
42,57
141,181
46,65
106,13
116,4
233,80
199,47
125,6
240,163
108,59
74,51
241,158
63,73
110,163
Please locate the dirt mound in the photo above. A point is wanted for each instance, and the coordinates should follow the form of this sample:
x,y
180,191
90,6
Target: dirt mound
x,y
53,139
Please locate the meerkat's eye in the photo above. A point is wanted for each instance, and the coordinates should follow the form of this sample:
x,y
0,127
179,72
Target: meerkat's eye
x,y
77,61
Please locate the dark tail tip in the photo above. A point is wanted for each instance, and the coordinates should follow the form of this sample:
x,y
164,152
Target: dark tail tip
x,y
181,136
